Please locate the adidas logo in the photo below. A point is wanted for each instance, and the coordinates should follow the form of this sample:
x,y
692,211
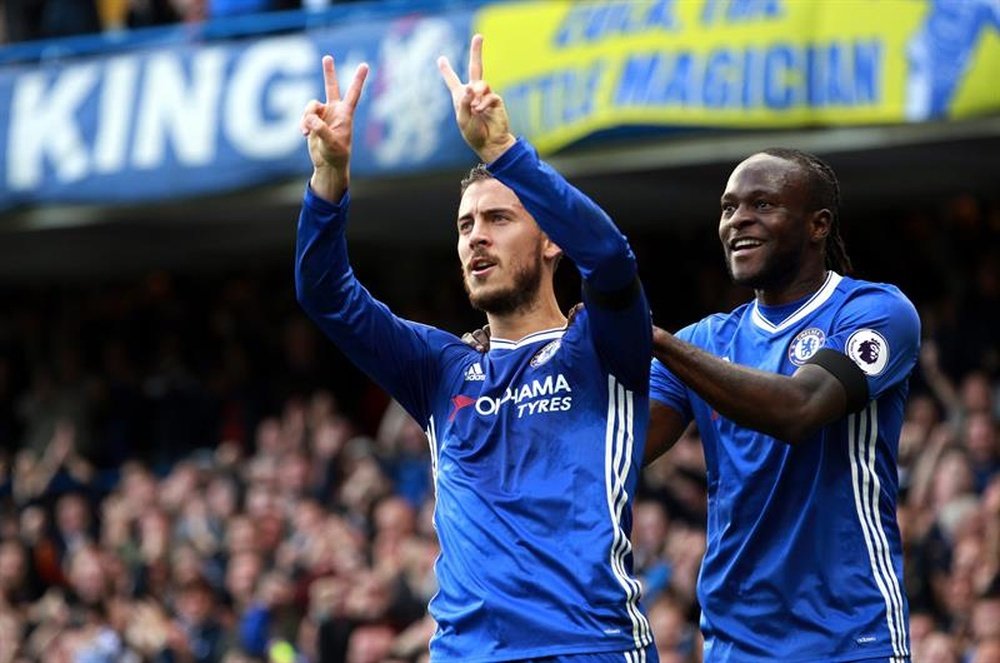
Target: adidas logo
x,y
475,373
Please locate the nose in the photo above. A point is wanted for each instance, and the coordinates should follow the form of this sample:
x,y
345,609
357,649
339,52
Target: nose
x,y
479,235
741,217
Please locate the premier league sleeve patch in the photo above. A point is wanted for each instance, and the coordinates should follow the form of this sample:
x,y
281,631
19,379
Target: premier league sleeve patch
x,y
805,344
869,350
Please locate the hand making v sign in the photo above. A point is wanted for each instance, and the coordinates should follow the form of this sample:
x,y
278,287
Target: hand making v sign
x,y
480,113
329,127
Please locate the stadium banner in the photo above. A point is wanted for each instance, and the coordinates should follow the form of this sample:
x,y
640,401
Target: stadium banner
x,y
190,119
193,118
583,67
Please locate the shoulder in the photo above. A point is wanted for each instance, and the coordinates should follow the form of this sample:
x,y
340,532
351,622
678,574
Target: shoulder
x,y
876,301
448,347
877,326
713,325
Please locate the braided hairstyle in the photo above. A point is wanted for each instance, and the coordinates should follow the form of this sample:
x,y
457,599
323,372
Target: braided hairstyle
x,y
825,193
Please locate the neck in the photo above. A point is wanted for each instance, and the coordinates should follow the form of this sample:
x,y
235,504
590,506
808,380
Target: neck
x,y
541,314
805,283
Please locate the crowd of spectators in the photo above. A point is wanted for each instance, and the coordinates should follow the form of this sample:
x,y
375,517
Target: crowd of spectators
x,y
188,472
27,20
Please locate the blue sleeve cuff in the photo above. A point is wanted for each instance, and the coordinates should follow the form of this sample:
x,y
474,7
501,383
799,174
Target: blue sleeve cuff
x,y
519,150
324,207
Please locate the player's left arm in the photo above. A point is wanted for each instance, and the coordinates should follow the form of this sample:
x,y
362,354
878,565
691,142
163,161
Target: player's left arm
x,y
616,304
836,381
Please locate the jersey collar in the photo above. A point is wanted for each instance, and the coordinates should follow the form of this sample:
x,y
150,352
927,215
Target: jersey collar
x,y
819,297
544,335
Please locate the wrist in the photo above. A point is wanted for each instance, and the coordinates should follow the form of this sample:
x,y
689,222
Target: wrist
x,y
330,183
494,150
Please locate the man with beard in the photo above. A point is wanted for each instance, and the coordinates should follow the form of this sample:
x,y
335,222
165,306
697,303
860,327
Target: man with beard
x,y
536,444
799,397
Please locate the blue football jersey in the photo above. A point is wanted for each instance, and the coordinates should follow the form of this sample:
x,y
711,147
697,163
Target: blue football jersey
x,y
536,445
804,561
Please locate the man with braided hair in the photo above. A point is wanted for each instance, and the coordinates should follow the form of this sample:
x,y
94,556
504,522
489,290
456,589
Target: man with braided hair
x,y
798,396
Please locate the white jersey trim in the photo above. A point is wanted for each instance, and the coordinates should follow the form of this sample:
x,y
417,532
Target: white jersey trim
x,y
618,447
833,279
862,436
545,335
637,656
432,441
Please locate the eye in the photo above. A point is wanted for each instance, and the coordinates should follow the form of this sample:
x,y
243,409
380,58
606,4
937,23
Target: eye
x,y
464,226
762,204
728,209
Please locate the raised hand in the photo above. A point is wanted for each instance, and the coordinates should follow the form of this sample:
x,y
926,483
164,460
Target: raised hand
x,y
480,113
329,128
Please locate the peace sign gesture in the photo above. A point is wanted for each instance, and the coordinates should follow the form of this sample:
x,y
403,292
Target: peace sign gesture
x,y
480,113
329,129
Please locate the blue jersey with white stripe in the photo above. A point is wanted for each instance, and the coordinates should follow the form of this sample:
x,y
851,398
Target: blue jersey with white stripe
x,y
804,561
536,444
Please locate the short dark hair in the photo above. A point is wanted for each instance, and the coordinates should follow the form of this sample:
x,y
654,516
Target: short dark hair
x,y
478,173
824,190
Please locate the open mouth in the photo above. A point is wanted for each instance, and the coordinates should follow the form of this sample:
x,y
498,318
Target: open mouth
x,y
744,245
481,266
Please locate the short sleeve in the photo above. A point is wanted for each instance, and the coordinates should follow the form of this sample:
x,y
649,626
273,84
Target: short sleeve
x,y
879,330
666,388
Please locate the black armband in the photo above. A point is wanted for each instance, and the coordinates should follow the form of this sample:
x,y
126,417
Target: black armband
x,y
616,300
853,378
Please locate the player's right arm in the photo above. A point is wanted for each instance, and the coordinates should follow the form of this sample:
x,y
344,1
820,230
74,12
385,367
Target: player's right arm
x,y
789,408
398,354
833,383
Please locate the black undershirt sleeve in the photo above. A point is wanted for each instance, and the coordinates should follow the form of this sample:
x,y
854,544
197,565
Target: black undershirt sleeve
x,y
845,370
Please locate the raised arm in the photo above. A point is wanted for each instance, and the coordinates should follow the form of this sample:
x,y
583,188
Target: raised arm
x,y
397,354
329,128
616,305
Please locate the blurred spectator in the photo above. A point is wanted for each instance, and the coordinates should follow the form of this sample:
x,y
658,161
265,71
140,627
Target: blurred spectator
x,y
198,10
141,13
937,647
44,19
190,476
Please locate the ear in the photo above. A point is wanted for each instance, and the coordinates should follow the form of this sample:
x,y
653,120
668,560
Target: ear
x,y
550,250
820,223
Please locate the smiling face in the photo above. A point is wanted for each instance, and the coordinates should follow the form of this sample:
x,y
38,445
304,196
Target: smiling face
x,y
770,235
505,257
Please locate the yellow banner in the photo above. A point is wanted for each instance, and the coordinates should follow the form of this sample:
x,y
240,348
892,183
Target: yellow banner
x,y
568,69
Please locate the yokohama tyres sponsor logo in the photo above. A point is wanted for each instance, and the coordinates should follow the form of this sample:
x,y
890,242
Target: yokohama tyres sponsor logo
x,y
550,394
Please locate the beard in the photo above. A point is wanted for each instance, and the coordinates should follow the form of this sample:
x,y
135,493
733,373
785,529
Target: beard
x,y
521,294
774,271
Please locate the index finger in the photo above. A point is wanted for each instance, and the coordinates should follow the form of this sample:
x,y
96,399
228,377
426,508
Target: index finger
x,y
476,58
330,80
